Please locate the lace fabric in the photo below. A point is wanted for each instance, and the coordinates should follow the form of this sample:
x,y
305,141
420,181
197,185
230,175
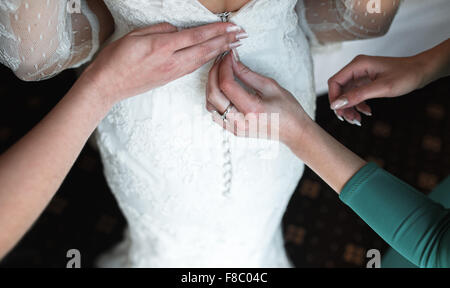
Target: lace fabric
x,y
40,38
328,21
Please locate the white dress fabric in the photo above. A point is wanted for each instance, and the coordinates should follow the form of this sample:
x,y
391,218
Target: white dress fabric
x,y
165,159
193,194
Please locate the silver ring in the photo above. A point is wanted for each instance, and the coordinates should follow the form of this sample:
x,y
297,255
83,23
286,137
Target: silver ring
x,y
224,115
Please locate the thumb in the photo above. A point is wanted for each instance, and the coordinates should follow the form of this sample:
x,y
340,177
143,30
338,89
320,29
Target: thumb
x,y
357,95
254,80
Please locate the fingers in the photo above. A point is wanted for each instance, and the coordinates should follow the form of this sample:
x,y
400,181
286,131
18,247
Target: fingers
x,y
235,122
198,55
155,29
357,95
350,115
215,99
210,107
244,101
252,79
351,86
364,108
358,68
352,76
194,36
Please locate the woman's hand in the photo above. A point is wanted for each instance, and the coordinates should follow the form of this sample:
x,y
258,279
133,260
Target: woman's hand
x,y
321,152
269,105
153,56
368,77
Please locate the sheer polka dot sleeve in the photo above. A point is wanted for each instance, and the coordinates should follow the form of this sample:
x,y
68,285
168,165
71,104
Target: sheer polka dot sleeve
x,y
40,38
328,21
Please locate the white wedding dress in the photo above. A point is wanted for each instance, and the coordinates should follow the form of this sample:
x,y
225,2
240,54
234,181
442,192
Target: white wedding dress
x,y
193,195
168,163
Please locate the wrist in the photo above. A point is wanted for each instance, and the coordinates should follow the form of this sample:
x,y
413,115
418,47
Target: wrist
x,y
88,89
92,85
433,63
426,68
297,136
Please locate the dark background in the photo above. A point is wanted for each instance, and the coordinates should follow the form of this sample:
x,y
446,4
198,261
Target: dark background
x,y
408,136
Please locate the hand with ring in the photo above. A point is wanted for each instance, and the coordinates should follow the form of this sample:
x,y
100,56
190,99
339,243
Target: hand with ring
x,y
234,107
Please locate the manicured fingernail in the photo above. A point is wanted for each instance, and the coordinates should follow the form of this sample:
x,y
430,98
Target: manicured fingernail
x,y
242,35
235,54
356,122
233,28
365,112
339,103
235,44
353,122
338,116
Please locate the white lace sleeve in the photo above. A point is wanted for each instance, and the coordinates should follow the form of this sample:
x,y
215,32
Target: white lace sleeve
x,y
40,38
327,21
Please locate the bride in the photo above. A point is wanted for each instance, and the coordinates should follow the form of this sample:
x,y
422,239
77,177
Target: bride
x,y
193,196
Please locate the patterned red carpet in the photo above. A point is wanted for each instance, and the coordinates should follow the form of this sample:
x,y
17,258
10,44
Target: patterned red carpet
x,y
409,136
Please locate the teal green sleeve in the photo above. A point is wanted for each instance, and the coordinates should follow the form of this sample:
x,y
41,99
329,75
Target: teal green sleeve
x,y
414,225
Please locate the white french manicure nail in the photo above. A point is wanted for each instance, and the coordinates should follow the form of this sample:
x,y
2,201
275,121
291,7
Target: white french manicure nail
x,y
234,28
339,103
338,116
235,44
352,121
242,35
357,123
367,113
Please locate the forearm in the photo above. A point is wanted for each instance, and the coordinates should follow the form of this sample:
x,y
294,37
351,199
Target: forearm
x,y
436,62
32,170
328,158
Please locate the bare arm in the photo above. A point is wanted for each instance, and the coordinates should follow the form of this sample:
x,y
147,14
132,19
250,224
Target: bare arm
x,y
330,21
32,170
328,158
